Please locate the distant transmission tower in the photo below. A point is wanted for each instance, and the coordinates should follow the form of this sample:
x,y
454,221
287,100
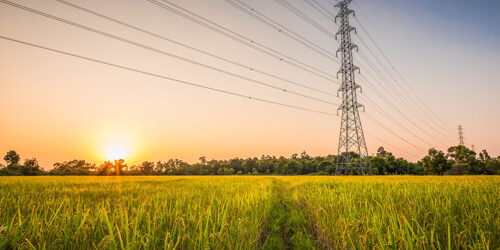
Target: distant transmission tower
x,y
352,151
461,135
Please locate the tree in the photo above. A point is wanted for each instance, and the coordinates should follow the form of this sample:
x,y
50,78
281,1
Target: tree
x,y
484,156
203,160
378,165
147,168
249,164
326,167
462,154
31,167
292,167
12,158
74,167
492,166
228,171
161,167
105,168
435,162
304,155
120,166
382,153
464,159
460,169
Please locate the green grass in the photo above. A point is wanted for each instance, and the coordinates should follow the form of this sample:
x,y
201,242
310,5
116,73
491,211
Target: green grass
x,y
249,212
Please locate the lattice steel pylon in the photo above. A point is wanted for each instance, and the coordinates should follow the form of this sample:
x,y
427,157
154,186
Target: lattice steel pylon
x,y
461,135
352,151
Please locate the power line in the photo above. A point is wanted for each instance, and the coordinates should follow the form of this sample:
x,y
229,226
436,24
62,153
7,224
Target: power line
x,y
402,114
380,95
406,101
324,8
404,80
383,113
385,99
165,77
399,95
305,17
390,131
384,141
411,107
397,71
162,52
251,11
320,9
169,78
250,68
186,16
242,39
379,109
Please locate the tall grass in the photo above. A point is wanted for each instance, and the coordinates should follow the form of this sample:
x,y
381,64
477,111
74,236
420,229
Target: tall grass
x,y
404,212
132,212
249,212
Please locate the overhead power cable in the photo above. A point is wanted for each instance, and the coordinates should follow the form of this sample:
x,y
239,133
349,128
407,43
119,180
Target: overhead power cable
x,y
315,5
396,108
250,68
305,17
178,10
385,114
389,82
403,79
396,92
389,144
400,97
103,33
397,71
165,77
251,11
390,131
325,9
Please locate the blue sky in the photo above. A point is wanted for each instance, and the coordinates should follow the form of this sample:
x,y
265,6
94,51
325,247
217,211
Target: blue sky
x,y
476,22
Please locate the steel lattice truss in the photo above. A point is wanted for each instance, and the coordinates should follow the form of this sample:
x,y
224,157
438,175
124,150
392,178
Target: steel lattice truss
x,y
352,151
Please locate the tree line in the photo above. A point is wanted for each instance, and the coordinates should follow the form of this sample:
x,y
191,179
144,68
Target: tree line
x,y
458,160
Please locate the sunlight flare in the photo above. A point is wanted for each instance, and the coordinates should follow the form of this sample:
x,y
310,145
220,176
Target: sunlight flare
x,y
116,152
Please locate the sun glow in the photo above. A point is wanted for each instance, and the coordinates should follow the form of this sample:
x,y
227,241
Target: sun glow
x,y
115,144
116,152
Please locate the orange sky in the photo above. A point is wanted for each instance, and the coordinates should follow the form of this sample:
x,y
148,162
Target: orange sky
x,y
57,108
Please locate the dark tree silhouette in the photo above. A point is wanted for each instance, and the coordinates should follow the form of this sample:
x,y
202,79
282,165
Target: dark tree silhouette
x,y
12,158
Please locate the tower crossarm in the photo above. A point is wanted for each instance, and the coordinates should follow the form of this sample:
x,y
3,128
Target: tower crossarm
x,y
348,12
351,46
353,68
342,31
343,89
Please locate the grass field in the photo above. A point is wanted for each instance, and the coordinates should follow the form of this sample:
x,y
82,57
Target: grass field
x,y
250,212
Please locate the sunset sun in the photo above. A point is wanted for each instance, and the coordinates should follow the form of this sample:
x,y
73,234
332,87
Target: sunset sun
x,y
116,152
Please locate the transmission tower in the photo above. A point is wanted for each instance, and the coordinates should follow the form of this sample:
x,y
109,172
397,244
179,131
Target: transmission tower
x,y
352,151
461,135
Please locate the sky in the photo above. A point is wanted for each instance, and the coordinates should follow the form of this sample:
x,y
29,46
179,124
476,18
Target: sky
x,y
59,108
